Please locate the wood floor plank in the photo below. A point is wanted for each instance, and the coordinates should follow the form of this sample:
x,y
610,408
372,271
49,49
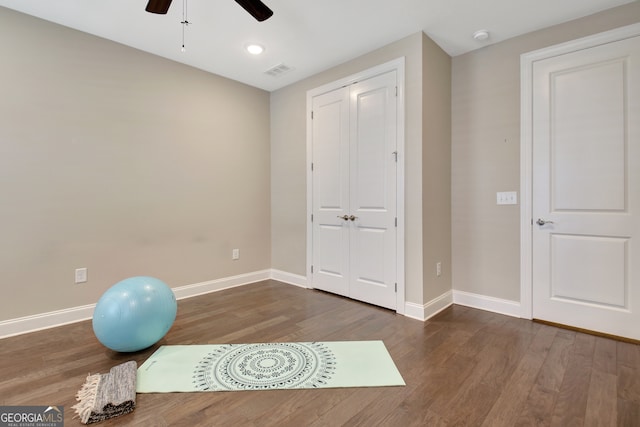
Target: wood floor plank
x,y
538,408
628,413
552,371
628,354
463,367
605,357
452,406
601,410
508,408
628,382
572,399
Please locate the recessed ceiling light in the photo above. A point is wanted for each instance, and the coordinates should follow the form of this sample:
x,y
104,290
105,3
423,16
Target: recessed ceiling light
x,y
254,48
481,35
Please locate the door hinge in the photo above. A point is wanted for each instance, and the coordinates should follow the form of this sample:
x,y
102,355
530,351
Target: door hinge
x,y
311,217
396,288
395,154
396,91
311,166
312,269
396,221
312,115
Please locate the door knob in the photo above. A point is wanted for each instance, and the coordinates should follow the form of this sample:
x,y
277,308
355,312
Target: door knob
x,y
345,217
541,222
353,218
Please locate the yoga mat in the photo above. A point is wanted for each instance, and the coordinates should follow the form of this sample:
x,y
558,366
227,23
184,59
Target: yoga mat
x,y
267,366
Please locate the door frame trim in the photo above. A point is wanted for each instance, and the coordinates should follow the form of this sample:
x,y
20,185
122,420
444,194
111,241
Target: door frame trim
x,y
527,61
397,65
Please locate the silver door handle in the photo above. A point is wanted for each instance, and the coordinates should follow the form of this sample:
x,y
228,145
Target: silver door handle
x,y
345,217
541,222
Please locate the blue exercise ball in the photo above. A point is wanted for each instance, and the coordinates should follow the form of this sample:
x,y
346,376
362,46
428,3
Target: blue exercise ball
x,y
134,314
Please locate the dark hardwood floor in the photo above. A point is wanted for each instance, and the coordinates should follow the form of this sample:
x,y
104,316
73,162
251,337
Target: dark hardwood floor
x,y
463,367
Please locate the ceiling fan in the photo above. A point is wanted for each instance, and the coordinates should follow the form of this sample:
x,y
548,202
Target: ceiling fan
x,y
256,8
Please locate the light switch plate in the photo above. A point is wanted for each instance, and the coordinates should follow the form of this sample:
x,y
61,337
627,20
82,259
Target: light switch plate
x,y
507,198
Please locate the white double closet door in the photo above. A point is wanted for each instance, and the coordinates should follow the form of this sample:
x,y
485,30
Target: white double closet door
x,y
354,162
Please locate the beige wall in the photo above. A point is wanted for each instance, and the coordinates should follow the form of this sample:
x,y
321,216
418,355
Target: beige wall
x,y
288,154
486,153
124,163
436,169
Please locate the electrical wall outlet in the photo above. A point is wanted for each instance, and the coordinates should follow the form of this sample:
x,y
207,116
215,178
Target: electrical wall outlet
x,y
81,275
235,254
438,269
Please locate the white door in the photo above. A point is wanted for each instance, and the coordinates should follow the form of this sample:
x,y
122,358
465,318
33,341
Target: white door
x,y
354,158
330,190
373,190
586,189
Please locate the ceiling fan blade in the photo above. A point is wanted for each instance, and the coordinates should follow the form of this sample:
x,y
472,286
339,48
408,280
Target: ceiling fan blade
x,y
158,6
256,8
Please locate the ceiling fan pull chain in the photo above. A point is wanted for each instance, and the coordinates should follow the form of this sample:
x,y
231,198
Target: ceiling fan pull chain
x,y
185,22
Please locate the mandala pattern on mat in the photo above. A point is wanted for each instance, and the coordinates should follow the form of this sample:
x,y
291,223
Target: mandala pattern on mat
x,y
265,366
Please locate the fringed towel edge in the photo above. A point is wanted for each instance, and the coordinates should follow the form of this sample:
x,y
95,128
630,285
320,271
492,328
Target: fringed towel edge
x,y
86,397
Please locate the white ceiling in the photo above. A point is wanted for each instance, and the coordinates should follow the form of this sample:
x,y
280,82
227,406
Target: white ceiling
x,y
307,35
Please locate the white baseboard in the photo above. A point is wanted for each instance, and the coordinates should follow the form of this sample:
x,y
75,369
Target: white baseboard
x,y
483,302
202,288
37,322
426,311
289,278
52,319
422,312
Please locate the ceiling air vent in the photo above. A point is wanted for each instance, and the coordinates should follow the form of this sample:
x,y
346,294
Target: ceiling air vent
x,y
278,70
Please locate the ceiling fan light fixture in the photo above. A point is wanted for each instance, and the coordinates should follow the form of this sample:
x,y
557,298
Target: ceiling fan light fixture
x,y
254,48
